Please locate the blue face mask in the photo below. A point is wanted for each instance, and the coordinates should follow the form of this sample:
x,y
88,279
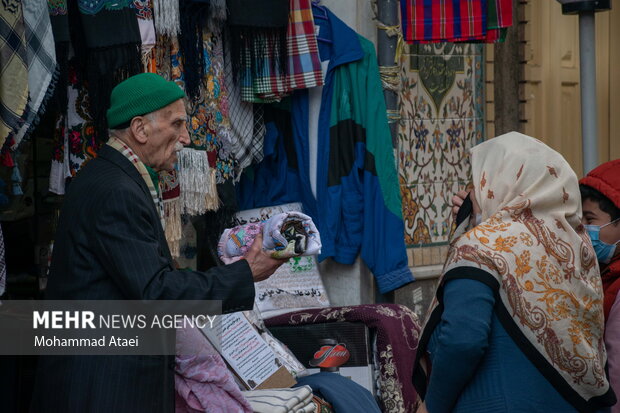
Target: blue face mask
x,y
604,251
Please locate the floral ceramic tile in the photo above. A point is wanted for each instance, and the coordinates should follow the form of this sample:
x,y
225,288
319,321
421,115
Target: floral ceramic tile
x,y
420,147
442,107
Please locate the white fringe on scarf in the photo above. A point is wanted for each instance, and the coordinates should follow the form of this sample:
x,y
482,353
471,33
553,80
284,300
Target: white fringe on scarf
x,y
166,16
173,228
198,183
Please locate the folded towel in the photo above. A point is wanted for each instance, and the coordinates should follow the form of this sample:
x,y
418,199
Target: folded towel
x,y
297,400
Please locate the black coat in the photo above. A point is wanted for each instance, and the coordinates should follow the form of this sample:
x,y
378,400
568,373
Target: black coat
x,y
110,246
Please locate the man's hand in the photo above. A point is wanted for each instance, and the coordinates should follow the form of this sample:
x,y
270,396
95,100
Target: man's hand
x,y
261,264
457,201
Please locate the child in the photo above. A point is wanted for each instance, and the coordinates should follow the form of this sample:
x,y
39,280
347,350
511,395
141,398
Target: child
x,y
600,196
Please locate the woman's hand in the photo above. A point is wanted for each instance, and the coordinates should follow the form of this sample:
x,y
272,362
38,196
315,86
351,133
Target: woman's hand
x,y
457,201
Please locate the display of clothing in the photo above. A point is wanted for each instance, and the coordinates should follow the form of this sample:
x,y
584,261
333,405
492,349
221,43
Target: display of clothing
x,y
357,207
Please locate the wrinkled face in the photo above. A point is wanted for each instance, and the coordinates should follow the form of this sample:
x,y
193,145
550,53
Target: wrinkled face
x,y
593,215
166,132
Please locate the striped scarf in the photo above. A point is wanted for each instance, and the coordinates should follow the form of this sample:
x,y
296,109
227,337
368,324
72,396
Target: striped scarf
x,y
152,184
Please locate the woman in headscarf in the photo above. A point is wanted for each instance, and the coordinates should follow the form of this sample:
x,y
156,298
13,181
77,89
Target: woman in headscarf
x,y
517,323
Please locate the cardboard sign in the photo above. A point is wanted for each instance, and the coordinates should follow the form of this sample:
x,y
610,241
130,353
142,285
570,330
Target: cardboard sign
x,y
247,353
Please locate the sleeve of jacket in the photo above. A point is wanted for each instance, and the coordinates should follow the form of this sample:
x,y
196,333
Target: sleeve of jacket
x,y
383,244
129,250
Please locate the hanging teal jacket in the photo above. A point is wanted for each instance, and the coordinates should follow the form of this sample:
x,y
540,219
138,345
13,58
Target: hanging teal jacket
x,y
358,206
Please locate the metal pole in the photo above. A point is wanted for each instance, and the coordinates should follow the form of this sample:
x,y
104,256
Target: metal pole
x,y
587,53
387,13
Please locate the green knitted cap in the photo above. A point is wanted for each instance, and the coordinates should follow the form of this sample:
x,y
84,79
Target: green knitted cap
x,y
139,95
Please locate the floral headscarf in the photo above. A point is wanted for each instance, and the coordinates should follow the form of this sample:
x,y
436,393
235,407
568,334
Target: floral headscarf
x,y
533,251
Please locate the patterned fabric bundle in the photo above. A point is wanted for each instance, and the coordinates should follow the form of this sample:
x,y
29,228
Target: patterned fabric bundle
x,y
297,400
74,136
532,250
109,56
42,70
13,69
426,21
397,330
285,235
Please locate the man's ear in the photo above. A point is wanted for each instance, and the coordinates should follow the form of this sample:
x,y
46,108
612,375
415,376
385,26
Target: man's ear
x,y
139,128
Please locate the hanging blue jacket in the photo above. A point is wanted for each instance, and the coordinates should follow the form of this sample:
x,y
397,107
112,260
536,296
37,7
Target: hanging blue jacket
x,y
358,206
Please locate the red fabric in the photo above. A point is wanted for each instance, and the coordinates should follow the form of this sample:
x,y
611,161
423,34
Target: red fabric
x,y
611,284
430,21
606,179
504,13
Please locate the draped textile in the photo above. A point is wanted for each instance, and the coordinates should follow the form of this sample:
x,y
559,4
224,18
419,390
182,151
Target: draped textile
x,y
42,69
13,68
397,330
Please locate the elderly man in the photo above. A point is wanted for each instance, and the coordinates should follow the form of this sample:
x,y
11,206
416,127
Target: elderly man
x,y
110,245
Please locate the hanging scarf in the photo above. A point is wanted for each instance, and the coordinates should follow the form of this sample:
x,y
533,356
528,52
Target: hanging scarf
x,y
196,15
167,21
42,70
74,135
171,193
14,79
258,45
146,173
144,13
462,21
111,55
246,136
60,28
533,251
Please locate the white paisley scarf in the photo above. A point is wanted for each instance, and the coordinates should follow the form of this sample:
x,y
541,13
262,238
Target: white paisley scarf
x,y
533,251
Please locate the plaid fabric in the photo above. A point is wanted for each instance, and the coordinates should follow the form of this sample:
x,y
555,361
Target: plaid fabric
x,y
267,85
42,69
120,146
304,63
13,68
499,14
426,21
303,66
